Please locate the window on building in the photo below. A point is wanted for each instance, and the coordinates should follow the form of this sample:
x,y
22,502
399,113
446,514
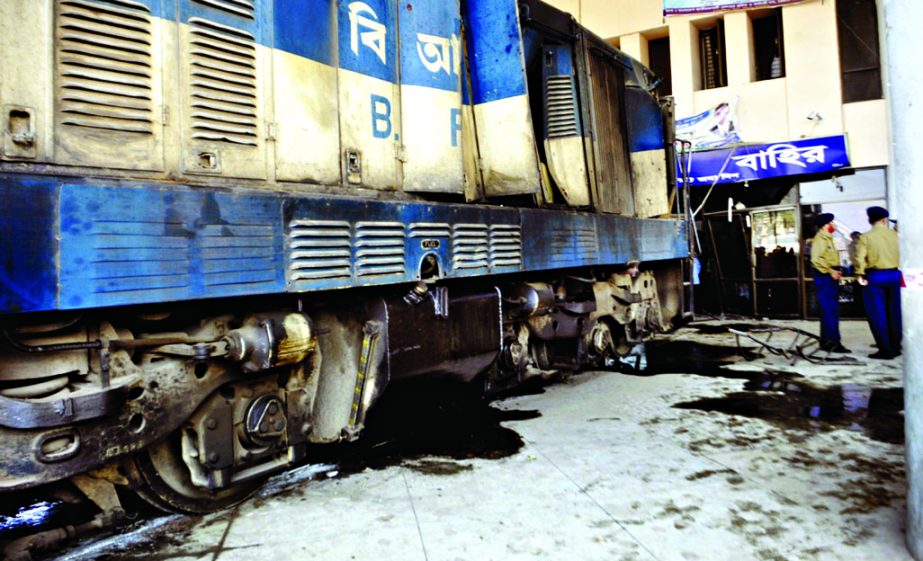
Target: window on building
x,y
860,60
658,52
712,60
768,54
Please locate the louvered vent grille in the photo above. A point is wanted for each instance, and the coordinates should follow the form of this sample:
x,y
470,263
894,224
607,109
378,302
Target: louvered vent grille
x,y
320,249
379,248
430,230
505,245
132,256
223,83
104,65
470,246
238,254
243,8
562,112
587,243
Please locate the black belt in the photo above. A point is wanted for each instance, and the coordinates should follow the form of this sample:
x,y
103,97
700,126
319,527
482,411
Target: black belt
x,y
876,270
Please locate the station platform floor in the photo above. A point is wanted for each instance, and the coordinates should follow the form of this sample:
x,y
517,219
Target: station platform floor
x,y
701,455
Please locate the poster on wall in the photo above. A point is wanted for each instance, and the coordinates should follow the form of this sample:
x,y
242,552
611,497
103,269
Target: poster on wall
x,y
711,129
685,7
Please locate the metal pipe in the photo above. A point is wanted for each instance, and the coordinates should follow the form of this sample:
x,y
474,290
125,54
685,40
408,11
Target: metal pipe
x,y
903,43
55,348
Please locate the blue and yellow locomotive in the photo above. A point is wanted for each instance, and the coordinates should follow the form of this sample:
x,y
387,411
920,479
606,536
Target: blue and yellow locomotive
x,y
228,225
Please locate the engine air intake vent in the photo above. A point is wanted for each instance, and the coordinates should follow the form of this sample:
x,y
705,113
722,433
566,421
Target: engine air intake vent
x,y
587,243
430,230
379,248
237,254
243,8
562,108
319,249
505,245
222,83
470,246
103,66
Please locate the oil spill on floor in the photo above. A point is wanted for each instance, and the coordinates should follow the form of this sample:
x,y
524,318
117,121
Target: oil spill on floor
x,y
425,419
798,404
687,357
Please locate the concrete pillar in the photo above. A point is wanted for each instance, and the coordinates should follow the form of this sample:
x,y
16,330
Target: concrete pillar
x,y
904,42
684,65
738,41
635,45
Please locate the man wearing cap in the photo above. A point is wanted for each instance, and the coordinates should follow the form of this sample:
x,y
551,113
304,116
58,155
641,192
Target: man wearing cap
x,y
877,259
826,262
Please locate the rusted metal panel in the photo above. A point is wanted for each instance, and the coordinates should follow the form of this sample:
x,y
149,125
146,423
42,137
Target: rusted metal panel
x,y
613,177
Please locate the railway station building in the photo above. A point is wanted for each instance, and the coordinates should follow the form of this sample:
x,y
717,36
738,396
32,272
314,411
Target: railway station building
x,y
786,72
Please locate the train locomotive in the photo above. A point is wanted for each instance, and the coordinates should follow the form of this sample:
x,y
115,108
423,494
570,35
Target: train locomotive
x,y
228,225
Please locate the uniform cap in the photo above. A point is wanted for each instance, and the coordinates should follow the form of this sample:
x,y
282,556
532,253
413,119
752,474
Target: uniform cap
x,y
876,213
823,219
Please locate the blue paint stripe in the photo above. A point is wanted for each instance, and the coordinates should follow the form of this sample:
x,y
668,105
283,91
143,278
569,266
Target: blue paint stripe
x,y
322,30
28,275
372,49
137,245
495,46
431,44
645,121
307,29
149,243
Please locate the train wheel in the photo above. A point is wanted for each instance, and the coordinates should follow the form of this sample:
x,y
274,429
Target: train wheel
x,y
159,476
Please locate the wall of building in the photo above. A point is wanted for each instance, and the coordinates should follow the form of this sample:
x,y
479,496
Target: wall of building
x,y
768,110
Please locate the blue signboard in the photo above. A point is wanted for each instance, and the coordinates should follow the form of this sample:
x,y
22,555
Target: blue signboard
x,y
764,161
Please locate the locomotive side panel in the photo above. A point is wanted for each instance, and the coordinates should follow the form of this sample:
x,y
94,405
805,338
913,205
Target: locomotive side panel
x,y
431,97
370,104
87,87
307,135
223,90
506,141
649,174
26,117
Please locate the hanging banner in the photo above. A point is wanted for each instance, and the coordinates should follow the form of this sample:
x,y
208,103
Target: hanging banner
x,y
764,161
711,129
684,7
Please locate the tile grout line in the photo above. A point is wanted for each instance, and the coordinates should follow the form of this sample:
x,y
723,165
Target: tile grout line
x,y
584,492
415,517
224,536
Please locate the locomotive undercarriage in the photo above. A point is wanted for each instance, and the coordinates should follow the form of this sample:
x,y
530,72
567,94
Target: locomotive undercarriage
x,y
191,411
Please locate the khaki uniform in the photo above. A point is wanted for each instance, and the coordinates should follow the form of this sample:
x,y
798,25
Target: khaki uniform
x,y
878,258
824,256
826,260
878,249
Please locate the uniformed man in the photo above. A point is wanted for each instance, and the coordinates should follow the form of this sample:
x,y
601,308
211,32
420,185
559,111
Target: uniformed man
x,y
877,260
826,262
